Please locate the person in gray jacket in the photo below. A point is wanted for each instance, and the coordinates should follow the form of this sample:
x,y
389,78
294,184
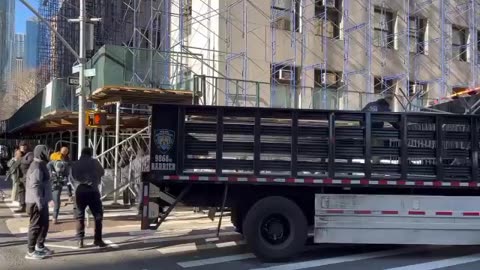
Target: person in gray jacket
x,y
38,194
87,175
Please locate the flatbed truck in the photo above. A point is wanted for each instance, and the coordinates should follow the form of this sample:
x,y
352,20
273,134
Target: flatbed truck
x,y
352,177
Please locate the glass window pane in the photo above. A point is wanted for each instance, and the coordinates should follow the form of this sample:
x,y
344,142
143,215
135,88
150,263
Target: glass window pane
x,y
457,37
377,20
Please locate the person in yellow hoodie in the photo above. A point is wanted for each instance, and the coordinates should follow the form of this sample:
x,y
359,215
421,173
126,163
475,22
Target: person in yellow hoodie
x,y
59,170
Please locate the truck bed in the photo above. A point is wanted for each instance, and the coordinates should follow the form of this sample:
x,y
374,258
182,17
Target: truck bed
x,y
313,147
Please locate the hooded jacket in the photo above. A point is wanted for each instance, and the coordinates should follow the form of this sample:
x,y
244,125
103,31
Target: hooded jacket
x,y
87,171
38,187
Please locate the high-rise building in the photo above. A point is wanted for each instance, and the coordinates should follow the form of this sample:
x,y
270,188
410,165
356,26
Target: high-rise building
x,y
7,20
31,44
19,52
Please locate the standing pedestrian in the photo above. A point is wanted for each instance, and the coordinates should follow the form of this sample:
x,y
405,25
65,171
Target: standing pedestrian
x,y
87,174
59,171
14,172
27,158
139,165
38,196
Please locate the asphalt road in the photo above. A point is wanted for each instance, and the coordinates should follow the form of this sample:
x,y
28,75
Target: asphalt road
x,y
188,242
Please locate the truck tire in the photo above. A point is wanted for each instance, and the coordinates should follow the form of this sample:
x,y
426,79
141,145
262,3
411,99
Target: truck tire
x,y
275,228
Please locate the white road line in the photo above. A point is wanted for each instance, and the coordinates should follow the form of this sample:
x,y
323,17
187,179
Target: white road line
x,y
60,246
11,207
111,244
441,263
216,260
189,247
344,259
213,239
187,237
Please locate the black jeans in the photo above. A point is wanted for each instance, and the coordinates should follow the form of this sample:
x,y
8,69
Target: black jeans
x,y
38,229
88,196
69,188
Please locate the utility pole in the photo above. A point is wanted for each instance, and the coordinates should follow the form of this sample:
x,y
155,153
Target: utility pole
x,y
82,20
81,95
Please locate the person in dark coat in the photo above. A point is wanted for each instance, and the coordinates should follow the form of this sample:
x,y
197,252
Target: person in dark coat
x,y
87,175
27,158
38,196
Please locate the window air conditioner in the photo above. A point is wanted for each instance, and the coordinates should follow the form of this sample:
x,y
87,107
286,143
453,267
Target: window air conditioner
x,y
328,3
328,78
285,75
283,23
283,4
417,88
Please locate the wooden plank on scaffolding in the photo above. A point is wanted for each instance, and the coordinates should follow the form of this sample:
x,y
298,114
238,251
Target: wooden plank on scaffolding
x,y
139,95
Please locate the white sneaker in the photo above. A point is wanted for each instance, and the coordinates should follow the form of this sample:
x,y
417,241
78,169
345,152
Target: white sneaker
x,y
35,255
45,251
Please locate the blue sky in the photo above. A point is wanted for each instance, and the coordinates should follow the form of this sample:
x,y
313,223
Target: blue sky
x,y
22,14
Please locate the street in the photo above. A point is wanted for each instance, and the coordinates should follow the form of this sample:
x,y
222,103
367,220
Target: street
x,y
188,241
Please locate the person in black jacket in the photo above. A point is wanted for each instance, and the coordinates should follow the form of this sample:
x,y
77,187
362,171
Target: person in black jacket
x,y
87,175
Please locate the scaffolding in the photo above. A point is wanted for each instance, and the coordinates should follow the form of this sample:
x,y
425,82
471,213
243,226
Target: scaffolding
x,y
321,54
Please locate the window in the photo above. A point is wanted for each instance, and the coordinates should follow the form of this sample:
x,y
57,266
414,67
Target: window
x,y
326,94
382,85
416,88
416,94
383,28
328,14
284,80
417,35
282,12
459,43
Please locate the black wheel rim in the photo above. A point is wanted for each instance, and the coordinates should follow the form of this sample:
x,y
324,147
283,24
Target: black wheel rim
x,y
275,229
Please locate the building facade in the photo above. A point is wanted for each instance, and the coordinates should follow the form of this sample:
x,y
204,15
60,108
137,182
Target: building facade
x,y
31,44
333,54
7,20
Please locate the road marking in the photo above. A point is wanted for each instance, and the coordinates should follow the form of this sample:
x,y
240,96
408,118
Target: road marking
x,y
60,246
213,239
441,263
111,244
187,237
189,247
216,260
344,259
11,207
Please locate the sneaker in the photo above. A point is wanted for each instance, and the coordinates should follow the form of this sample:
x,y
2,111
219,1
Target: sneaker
x,y
35,256
100,244
46,251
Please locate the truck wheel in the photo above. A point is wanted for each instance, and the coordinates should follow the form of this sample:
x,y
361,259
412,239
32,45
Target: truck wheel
x,y
275,228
